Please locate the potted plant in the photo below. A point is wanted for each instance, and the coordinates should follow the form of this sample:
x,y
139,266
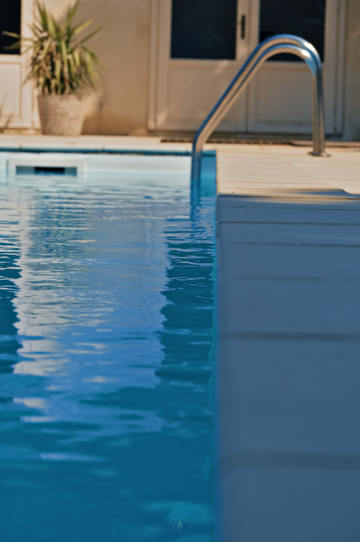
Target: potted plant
x,y
60,64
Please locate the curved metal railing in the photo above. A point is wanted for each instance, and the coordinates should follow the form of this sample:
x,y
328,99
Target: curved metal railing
x,y
282,43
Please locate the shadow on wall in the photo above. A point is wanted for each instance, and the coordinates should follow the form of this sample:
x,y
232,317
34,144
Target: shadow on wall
x,y
119,105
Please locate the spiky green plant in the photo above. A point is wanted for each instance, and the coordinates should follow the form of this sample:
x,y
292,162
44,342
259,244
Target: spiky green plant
x,y
8,121
60,61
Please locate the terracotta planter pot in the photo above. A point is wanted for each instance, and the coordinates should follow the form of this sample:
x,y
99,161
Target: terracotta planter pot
x,y
61,115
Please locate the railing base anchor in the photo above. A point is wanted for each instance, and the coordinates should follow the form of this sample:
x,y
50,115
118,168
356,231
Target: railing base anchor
x,y
322,154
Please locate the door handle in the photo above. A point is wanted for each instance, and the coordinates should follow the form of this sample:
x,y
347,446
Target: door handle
x,y
242,27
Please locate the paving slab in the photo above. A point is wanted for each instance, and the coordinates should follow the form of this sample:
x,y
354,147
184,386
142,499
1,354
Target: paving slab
x,y
89,143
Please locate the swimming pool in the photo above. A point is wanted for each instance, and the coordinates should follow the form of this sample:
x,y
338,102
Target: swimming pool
x,y
106,355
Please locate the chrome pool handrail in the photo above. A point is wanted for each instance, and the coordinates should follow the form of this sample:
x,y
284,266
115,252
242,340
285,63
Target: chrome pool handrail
x,y
282,43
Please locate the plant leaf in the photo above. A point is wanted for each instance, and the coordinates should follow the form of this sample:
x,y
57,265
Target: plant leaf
x,y
79,28
46,48
76,56
60,62
91,35
71,13
12,35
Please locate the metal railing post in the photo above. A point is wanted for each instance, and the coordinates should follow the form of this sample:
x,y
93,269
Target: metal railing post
x,y
282,43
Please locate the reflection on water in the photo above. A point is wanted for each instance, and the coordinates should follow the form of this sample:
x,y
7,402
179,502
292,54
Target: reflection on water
x,y
105,357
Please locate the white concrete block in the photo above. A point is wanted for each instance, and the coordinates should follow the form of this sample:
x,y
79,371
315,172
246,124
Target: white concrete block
x,y
289,234
297,504
297,263
286,306
289,396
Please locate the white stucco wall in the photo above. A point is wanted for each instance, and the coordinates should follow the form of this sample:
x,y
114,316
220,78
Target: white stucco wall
x,y
351,129
120,104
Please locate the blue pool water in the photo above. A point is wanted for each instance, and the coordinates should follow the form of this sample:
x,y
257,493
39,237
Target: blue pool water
x,y
106,333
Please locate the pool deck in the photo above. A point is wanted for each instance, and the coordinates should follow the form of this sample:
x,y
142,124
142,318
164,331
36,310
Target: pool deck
x,y
288,252
89,143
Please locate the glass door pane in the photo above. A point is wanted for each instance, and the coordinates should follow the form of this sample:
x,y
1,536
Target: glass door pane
x,y
10,21
204,29
304,18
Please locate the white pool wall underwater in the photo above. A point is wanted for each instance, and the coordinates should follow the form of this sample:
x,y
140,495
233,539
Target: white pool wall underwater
x,y
78,164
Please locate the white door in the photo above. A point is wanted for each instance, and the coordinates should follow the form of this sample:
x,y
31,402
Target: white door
x,y
197,48
16,99
280,94
186,82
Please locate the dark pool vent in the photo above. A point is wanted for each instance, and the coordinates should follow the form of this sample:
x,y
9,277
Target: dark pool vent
x,y
46,170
